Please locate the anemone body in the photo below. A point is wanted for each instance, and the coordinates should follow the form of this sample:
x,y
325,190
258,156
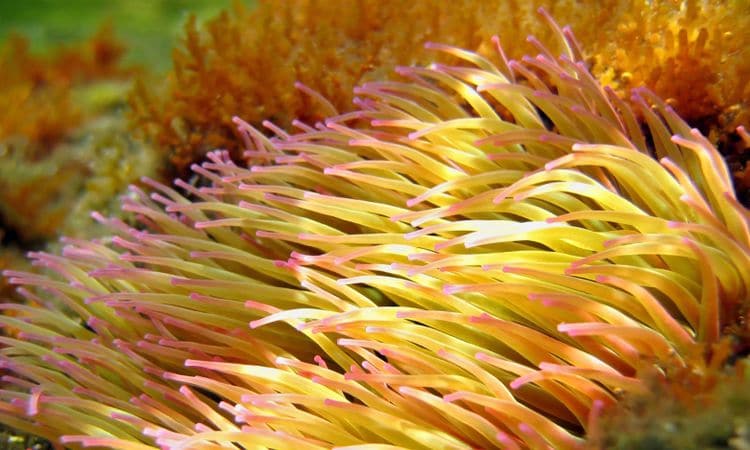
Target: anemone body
x,y
485,255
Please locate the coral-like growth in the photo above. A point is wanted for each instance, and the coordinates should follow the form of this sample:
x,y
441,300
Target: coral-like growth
x,y
481,256
694,53
36,90
62,136
694,411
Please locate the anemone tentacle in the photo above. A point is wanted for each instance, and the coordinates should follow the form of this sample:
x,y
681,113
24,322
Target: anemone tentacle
x,y
482,256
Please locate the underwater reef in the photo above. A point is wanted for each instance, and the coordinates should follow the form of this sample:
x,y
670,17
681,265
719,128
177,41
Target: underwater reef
x,y
694,54
487,251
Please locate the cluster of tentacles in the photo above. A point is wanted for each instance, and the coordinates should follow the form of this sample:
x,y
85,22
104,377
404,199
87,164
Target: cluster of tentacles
x,y
484,255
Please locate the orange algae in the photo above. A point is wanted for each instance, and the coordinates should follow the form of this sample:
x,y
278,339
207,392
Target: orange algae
x,y
693,53
36,90
701,407
52,105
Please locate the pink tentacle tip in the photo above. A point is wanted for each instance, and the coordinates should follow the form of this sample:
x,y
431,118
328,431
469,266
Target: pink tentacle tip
x,y
153,432
484,317
336,403
507,441
290,264
404,314
517,383
320,361
32,408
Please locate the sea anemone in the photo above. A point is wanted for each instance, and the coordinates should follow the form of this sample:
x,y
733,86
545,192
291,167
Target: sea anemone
x,y
692,53
487,254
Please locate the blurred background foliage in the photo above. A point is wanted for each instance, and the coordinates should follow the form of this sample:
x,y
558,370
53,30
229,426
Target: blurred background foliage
x,y
149,28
